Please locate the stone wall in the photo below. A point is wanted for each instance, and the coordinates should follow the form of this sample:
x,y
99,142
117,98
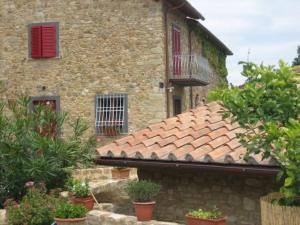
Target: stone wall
x,y
105,47
236,195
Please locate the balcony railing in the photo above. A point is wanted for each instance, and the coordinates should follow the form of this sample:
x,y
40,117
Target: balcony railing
x,y
190,70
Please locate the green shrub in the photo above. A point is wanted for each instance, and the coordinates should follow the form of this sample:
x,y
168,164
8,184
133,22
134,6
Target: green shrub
x,y
268,106
78,188
31,148
142,191
36,208
70,211
209,215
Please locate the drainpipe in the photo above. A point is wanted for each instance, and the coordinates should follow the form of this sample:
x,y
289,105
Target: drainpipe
x,y
166,10
190,66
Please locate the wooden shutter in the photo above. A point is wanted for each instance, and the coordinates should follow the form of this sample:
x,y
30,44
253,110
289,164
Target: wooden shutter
x,y
176,51
49,41
36,42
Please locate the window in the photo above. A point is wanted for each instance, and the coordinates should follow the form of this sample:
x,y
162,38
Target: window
x,y
43,40
176,51
52,103
111,114
177,107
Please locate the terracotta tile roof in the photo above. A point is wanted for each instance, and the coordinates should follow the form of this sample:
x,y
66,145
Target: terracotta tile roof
x,y
199,135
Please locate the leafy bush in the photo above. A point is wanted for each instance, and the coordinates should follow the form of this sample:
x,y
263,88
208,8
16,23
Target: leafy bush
x,y
142,191
31,148
70,211
268,106
36,208
209,215
79,188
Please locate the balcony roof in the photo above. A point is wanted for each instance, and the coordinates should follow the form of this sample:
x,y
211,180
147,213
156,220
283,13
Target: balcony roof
x,y
186,8
211,36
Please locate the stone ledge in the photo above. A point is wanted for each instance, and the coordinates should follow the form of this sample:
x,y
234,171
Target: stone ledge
x,y
3,217
96,217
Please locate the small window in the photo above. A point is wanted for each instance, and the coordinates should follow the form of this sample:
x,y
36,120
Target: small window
x,y
111,114
43,40
177,106
52,103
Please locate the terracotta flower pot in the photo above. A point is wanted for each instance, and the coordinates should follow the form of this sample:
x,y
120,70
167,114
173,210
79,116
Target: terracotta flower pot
x,y
76,221
197,221
120,173
144,210
88,202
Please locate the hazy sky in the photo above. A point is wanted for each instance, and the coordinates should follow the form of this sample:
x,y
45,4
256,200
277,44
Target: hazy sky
x,y
269,28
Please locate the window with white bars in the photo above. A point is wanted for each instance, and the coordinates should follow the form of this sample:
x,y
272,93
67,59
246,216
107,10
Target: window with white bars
x,y
111,114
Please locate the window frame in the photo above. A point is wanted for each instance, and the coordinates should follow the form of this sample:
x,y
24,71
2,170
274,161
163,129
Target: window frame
x,y
29,26
126,121
45,98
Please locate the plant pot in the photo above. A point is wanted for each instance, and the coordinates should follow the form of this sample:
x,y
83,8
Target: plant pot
x,y
120,173
144,210
197,221
75,221
273,214
88,202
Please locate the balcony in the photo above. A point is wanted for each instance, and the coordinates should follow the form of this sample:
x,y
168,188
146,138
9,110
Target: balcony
x,y
190,70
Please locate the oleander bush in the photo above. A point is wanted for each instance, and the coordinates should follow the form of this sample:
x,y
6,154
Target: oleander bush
x,y
33,149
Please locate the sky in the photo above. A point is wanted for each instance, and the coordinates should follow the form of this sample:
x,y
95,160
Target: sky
x,y
264,30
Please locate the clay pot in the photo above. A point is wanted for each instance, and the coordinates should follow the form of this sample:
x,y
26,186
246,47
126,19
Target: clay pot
x,y
120,173
75,221
144,210
197,221
88,202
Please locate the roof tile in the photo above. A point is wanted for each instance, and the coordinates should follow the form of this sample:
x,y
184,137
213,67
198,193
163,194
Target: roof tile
x,y
199,135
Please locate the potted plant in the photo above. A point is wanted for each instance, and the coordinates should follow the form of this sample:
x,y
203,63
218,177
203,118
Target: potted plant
x,y
202,217
267,106
120,173
67,213
81,193
142,193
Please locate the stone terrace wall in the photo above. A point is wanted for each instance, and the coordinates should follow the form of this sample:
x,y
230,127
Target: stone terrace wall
x,y
105,47
235,195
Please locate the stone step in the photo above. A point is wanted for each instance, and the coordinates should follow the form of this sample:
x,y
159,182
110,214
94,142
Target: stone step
x,y
97,217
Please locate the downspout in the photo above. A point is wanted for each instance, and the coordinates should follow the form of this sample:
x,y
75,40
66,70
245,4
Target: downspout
x,y
166,10
190,66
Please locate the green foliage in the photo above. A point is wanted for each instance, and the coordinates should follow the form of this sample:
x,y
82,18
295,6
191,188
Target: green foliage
x,y
78,188
142,191
70,211
209,215
268,106
32,150
36,208
215,56
296,61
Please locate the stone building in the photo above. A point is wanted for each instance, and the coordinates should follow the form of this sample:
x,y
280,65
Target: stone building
x,y
119,64
198,159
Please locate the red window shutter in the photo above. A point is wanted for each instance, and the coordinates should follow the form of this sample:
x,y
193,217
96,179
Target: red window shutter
x,y
48,41
176,51
36,42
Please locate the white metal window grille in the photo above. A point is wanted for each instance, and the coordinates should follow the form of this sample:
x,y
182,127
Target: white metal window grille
x,y
111,114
